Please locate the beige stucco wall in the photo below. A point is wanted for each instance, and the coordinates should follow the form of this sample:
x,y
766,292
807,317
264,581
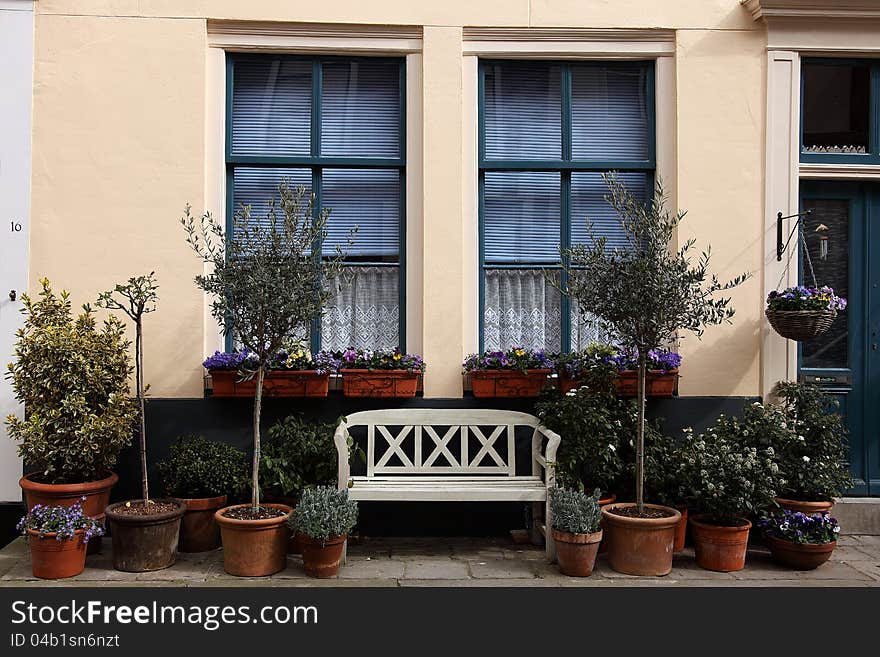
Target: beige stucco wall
x,y
119,147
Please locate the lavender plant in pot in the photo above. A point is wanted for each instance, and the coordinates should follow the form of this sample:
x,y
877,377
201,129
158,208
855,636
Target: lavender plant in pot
x,y
267,282
576,530
324,517
643,293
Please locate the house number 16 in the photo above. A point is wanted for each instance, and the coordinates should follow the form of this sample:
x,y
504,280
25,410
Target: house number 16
x,y
15,226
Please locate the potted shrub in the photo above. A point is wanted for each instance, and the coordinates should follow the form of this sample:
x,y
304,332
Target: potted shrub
x,y
660,375
201,474
298,454
643,293
575,530
577,368
800,313
57,537
378,373
725,481
292,372
267,287
72,378
144,531
324,517
517,372
799,540
814,460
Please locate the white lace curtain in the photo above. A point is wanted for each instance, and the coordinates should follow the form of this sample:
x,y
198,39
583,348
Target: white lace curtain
x,y
365,313
522,309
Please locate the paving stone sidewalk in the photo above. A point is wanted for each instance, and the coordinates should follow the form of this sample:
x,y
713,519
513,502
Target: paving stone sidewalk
x,y
459,562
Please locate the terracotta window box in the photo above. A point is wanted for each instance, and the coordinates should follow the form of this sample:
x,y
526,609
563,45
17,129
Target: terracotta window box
x,y
658,383
379,383
277,383
508,383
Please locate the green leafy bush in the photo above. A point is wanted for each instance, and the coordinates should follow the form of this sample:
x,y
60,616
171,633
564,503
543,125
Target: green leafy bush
x,y
815,461
574,511
73,381
663,469
725,479
324,512
298,453
197,467
591,425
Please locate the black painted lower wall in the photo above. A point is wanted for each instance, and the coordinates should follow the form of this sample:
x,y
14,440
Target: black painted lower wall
x,y
229,420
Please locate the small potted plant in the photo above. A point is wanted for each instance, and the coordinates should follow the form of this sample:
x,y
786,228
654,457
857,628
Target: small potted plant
x,y
800,313
660,376
517,372
201,474
380,373
814,458
57,537
799,540
293,372
725,482
576,531
324,517
71,434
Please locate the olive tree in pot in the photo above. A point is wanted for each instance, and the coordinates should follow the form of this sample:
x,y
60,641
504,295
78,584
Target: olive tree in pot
x,y
269,280
576,530
202,474
145,531
324,517
73,380
644,294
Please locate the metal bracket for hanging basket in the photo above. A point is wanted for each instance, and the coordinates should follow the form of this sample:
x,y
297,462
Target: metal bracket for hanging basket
x,y
780,247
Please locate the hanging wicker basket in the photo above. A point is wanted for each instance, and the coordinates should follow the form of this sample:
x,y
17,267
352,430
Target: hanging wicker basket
x,y
800,325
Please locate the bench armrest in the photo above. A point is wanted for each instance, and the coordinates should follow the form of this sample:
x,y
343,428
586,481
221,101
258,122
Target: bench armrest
x,y
547,460
341,439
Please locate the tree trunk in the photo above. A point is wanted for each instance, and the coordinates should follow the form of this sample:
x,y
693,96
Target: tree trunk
x,y
255,472
139,384
640,435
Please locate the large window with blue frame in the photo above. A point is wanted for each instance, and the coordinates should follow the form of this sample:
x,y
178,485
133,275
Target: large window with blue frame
x,y
548,130
840,111
336,126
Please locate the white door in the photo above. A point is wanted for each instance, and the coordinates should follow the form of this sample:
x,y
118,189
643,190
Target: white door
x,y
16,83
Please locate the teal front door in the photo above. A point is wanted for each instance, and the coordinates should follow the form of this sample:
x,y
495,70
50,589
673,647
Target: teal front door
x,y
846,359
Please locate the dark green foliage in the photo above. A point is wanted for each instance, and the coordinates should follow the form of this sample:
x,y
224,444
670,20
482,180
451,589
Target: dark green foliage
x,y
73,381
197,467
664,477
298,454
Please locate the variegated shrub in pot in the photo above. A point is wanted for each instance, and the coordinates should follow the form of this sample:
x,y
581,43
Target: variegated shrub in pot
x,y
575,530
324,517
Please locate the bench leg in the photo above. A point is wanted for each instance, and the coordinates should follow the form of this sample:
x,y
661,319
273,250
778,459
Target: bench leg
x,y
549,543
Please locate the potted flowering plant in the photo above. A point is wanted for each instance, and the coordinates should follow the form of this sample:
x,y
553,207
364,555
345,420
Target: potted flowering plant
x,y
517,372
799,540
380,373
57,538
800,313
292,372
576,530
725,481
324,517
660,376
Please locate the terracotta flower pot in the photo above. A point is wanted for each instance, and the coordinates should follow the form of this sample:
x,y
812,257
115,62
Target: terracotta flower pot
x,y
321,557
199,532
640,546
681,529
605,501
254,548
379,383
277,383
508,383
97,494
804,507
720,548
295,543
144,543
576,553
800,556
53,559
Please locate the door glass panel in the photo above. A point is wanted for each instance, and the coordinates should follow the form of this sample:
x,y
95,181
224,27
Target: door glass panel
x,y
836,107
828,350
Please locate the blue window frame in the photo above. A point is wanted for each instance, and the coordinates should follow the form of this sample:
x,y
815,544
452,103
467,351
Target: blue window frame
x,y
547,131
840,111
337,126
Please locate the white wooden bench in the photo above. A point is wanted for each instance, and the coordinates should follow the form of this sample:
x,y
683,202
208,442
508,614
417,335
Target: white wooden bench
x,y
448,454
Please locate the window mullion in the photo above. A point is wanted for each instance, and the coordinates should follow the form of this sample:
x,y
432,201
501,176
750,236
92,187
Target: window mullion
x,y
565,244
